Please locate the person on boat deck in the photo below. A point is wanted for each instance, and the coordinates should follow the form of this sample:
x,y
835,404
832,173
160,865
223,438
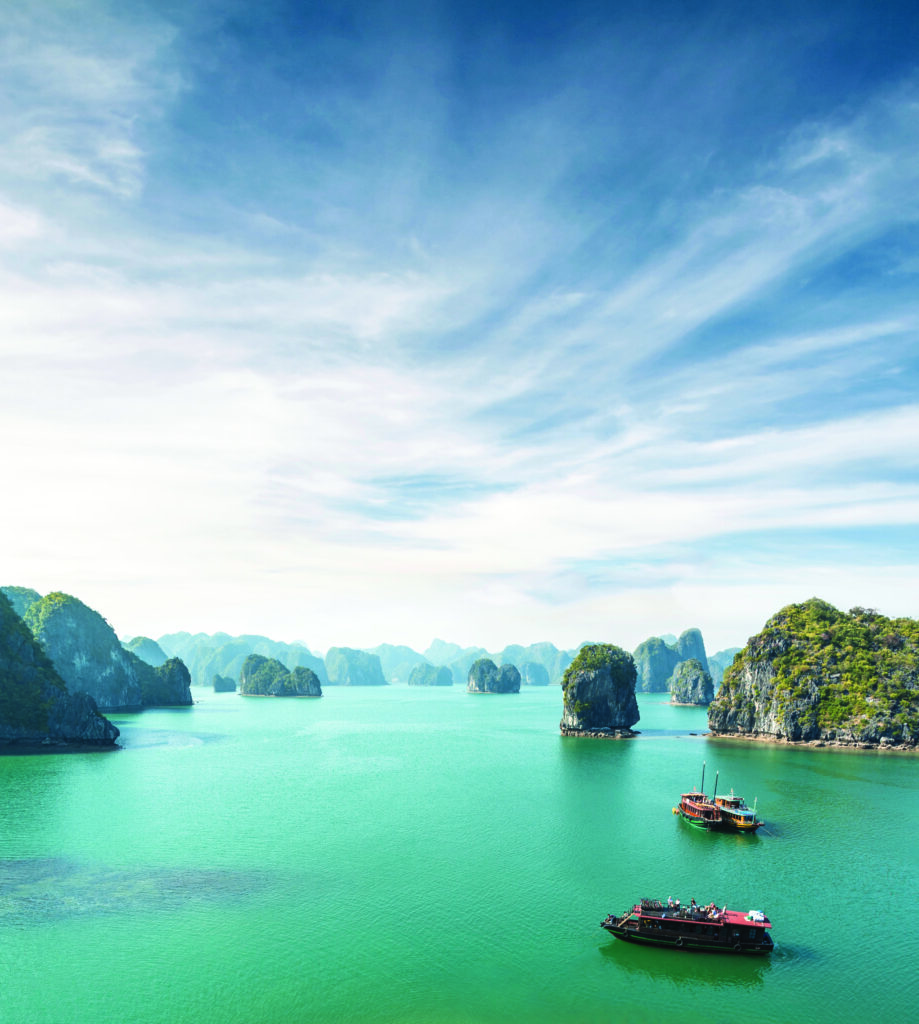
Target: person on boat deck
x,y
669,901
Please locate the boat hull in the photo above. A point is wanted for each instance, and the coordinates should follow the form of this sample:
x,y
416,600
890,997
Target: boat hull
x,y
690,944
693,928
695,822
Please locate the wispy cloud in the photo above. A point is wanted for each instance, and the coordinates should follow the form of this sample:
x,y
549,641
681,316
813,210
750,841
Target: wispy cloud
x,y
471,369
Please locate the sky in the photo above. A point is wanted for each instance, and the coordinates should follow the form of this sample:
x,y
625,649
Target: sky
x,y
352,323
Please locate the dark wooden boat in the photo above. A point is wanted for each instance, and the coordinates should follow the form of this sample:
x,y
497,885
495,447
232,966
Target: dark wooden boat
x,y
707,929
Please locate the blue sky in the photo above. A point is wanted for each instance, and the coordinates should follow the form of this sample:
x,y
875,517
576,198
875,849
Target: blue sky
x,y
497,323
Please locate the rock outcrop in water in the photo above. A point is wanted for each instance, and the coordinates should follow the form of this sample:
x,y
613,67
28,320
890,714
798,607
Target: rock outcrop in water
x,y
147,650
486,677
210,654
533,674
719,662
223,684
459,660
691,684
36,708
267,677
398,661
656,660
599,693
90,659
430,675
349,667
817,675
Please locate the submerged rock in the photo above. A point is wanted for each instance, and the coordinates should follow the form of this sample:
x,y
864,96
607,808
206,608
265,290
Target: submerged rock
x,y
599,693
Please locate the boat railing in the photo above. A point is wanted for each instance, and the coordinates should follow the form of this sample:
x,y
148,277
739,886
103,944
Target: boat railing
x,y
711,915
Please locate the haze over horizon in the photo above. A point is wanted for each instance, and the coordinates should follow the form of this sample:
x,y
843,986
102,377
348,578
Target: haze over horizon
x,y
370,322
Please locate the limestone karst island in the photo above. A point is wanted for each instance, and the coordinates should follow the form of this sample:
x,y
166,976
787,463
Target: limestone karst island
x,y
813,675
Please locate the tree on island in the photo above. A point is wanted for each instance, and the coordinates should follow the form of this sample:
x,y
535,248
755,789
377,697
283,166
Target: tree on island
x,y
817,674
486,677
598,691
267,677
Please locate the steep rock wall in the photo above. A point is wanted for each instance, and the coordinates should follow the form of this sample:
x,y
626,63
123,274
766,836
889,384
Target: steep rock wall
x,y
599,692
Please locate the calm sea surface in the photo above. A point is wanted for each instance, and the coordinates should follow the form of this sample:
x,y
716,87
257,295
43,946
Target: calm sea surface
x,y
427,855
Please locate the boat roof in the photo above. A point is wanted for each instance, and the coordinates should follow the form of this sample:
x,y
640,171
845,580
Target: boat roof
x,y
729,917
739,917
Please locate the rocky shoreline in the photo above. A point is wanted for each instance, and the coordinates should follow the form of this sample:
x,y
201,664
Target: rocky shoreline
x,y
828,744
600,734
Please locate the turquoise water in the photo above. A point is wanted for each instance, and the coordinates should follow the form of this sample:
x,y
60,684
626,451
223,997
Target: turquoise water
x,y
423,855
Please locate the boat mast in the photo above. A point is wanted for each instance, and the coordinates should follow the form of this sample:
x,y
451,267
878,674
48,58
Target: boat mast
x,y
702,790
715,790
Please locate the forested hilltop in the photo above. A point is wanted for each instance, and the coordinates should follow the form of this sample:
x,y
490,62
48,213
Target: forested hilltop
x,y
36,708
89,658
816,674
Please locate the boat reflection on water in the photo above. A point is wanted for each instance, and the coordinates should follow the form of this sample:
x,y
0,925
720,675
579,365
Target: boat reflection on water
x,y
669,967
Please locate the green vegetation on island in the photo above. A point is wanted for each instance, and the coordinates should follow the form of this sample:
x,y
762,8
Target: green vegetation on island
x,y
430,675
691,684
349,667
486,677
36,707
598,692
815,673
267,677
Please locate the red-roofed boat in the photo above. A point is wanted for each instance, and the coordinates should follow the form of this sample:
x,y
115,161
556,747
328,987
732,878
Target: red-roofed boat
x,y
698,809
659,923
717,813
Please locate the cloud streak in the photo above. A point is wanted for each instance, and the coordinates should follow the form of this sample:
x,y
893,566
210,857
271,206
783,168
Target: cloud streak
x,y
366,360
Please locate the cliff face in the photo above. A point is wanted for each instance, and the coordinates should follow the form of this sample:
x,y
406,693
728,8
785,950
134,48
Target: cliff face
x,y
147,650
21,598
599,692
166,685
85,651
654,664
398,662
207,655
486,677
35,705
718,662
348,667
90,659
691,684
690,645
267,677
430,675
533,674
815,674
